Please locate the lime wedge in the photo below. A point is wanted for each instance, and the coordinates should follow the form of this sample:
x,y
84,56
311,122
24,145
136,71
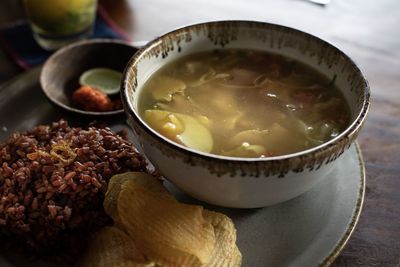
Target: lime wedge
x,y
106,80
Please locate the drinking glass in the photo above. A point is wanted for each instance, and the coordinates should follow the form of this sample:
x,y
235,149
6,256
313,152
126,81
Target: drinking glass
x,y
55,23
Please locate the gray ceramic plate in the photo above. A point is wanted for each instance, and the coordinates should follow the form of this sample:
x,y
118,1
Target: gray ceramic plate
x,y
309,230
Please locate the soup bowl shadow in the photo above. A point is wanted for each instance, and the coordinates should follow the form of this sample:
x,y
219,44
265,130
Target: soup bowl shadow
x,y
244,182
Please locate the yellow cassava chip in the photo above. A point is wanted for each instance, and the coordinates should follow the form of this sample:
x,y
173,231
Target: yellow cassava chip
x,y
226,253
166,231
115,186
110,200
236,259
112,247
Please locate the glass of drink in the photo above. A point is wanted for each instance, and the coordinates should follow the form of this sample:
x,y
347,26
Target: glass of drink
x,y
58,22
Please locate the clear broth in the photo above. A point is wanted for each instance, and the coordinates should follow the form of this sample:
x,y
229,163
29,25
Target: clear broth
x,y
243,103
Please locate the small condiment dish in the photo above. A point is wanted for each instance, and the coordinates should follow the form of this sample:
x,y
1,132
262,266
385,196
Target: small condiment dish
x,y
244,182
60,74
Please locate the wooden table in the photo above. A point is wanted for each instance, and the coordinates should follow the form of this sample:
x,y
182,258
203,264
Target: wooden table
x,y
368,31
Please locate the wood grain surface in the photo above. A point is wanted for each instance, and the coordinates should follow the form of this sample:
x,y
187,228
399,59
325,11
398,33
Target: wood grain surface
x,y
368,31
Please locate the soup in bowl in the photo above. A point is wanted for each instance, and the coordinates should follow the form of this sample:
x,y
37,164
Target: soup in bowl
x,y
243,114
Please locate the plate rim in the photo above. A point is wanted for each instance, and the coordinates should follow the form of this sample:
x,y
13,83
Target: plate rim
x,y
338,248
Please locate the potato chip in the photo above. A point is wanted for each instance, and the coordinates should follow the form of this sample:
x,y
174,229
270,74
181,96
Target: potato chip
x,y
236,259
153,229
112,247
115,187
166,231
226,253
110,200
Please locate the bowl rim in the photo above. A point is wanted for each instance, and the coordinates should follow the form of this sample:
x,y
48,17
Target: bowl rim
x,y
351,130
65,49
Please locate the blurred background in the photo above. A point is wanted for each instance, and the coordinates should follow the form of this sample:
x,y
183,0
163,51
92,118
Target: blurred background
x,y
357,26
368,31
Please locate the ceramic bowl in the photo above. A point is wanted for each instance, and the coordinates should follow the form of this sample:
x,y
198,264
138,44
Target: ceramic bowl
x,y
244,182
60,73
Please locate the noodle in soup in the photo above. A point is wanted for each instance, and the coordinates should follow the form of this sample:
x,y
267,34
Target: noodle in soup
x,y
243,103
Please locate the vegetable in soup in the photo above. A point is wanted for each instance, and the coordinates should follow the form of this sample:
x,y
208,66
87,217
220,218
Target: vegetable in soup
x,y
243,103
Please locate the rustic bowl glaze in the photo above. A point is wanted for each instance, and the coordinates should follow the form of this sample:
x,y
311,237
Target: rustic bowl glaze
x,y
244,182
60,73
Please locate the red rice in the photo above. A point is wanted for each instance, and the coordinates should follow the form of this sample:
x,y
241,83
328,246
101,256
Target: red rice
x,y
43,202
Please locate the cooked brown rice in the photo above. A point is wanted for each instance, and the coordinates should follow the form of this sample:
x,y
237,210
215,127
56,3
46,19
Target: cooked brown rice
x,y
53,179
